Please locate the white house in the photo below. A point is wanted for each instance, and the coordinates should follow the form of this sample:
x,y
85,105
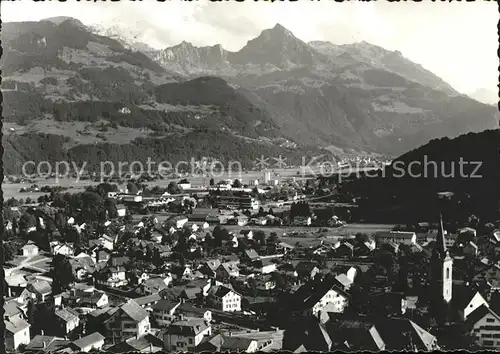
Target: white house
x,y
30,249
112,277
17,332
185,335
485,326
180,221
264,266
132,198
265,283
468,230
334,300
351,273
65,249
466,302
314,298
121,210
224,298
397,237
92,341
184,186
164,312
107,242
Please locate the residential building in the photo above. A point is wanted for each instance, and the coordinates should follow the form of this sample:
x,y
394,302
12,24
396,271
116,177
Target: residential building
x,y
179,221
357,336
186,335
66,320
17,332
485,327
471,249
265,283
237,202
65,249
155,285
223,298
302,221
85,344
99,254
40,290
239,344
146,302
188,311
209,218
227,270
112,276
93,299
148,343
210,267
121,210
400,334
345,249
163,312
264,266
30,249
45,344
284,247
130,320
466,300
399,237
306,269
320,295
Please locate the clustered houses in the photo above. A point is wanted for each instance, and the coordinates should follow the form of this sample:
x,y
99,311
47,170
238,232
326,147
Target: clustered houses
x,y
194,281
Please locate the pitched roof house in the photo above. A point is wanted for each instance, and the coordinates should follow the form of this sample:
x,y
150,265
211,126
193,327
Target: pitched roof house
x,y
17,332
130,320
85,344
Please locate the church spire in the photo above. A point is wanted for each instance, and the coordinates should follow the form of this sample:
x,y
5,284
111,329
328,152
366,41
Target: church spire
x,y
440,240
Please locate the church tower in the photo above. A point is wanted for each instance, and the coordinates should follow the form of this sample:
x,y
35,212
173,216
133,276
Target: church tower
x,y
443,264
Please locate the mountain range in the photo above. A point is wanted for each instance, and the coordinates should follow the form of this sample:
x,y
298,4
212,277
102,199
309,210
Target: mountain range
x,y
104,92
406,190
485,96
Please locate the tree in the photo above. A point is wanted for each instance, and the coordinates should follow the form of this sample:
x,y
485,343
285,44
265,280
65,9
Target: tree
x,y
212,182
63,273
132,188
280,280
361,237
10,250
273,238
220,235
27,221
128,218
110,207
189,204
173,188
260,237
12,202
237,183
8,214
104,188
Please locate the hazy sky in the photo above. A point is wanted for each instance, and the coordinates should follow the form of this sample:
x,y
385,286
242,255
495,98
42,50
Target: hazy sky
x,y
457,41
